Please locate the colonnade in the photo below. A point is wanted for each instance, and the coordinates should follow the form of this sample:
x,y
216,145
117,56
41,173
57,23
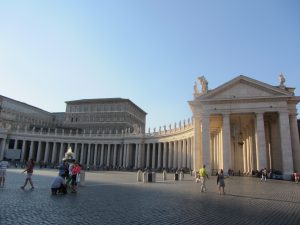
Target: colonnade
x,y
120,153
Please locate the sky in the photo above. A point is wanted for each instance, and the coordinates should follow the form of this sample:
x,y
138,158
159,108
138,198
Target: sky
x,y
149,51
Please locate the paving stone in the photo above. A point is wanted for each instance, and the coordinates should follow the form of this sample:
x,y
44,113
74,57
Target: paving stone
x,y
116,198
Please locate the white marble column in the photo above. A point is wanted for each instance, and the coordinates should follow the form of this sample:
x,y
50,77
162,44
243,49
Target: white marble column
x,y
121,155
115,156
82,154
38,156
61,152
295,141
170,158
226,143
31,150
148,156
159,156
188,153
184,153
175,158
127,155
286,145
261,142
153,155
76,152
165,155
108,155
179,158
88,155
23,151
3,144
46,156
102,155
205,143
54,150
16,144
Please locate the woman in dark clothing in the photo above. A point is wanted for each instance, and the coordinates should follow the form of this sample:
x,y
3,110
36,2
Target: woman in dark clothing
x,y
220,182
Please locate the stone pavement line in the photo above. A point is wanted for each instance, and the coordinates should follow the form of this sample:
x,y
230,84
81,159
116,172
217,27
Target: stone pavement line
x,y
116,198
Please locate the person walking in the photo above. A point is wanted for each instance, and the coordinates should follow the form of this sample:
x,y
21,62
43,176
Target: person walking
x,y
29,170
3,167
75,174
203,176
220,182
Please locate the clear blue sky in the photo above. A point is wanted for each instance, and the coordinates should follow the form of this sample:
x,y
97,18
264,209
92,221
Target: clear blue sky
x,y
148,51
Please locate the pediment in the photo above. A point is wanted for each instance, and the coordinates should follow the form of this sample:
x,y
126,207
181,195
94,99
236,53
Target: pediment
x,y
245,87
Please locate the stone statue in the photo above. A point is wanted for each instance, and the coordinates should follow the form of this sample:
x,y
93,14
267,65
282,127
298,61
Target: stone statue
x,y
195,88
69,155
281,80
204,84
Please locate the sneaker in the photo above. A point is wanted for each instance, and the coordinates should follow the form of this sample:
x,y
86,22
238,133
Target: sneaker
x,y
22,187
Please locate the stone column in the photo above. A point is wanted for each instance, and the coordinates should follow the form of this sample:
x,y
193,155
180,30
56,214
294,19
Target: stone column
x,y
54,150
46,156
95,155
188,153
108,155
102,155
76,152
2,148
170,158
16,144
286,145
115,156
175,159
31,150
148,156
124,155
226,143
261,142
184,153
121,155
159,156
38,156
81,154
61,152
136,157
88,155
197,143
127,155
295,141
179,158
165,155
205,143
153,155
23,151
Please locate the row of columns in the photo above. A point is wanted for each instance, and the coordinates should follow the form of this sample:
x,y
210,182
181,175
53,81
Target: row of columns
x,y
216,149
167,155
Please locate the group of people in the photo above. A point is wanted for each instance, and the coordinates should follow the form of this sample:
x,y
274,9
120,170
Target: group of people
x,y
203,176
68,176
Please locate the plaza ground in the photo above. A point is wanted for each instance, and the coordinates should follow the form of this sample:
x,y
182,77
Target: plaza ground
x,y
117,198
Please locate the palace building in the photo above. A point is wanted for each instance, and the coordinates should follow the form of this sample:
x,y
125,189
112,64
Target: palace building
x,y
243,125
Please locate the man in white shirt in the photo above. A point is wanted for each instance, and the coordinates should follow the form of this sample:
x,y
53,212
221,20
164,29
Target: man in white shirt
x,y
3,167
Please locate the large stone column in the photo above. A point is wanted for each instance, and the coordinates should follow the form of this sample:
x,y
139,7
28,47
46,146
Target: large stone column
x,y
102,155
153,155
82,154
54,150
295,141
2,148
175,158
184,153
226,143
46,156
179,162
286,145
170,158
260,142
159,156
38,156
205,143
31,150
88,155
115,156
23,151
76,152
197,143
165,155
61,152
108,155
148,156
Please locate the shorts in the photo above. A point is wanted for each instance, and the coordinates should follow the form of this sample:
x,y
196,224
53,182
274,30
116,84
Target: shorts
x,y
2,173
29,175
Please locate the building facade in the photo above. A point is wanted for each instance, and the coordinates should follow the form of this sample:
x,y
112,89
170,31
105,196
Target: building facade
x,y
242,125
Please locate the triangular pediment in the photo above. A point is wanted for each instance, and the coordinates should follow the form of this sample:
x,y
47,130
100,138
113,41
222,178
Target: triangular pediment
x,y
245,87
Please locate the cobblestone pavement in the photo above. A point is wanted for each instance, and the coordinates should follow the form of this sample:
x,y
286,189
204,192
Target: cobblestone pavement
x,y
116,198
